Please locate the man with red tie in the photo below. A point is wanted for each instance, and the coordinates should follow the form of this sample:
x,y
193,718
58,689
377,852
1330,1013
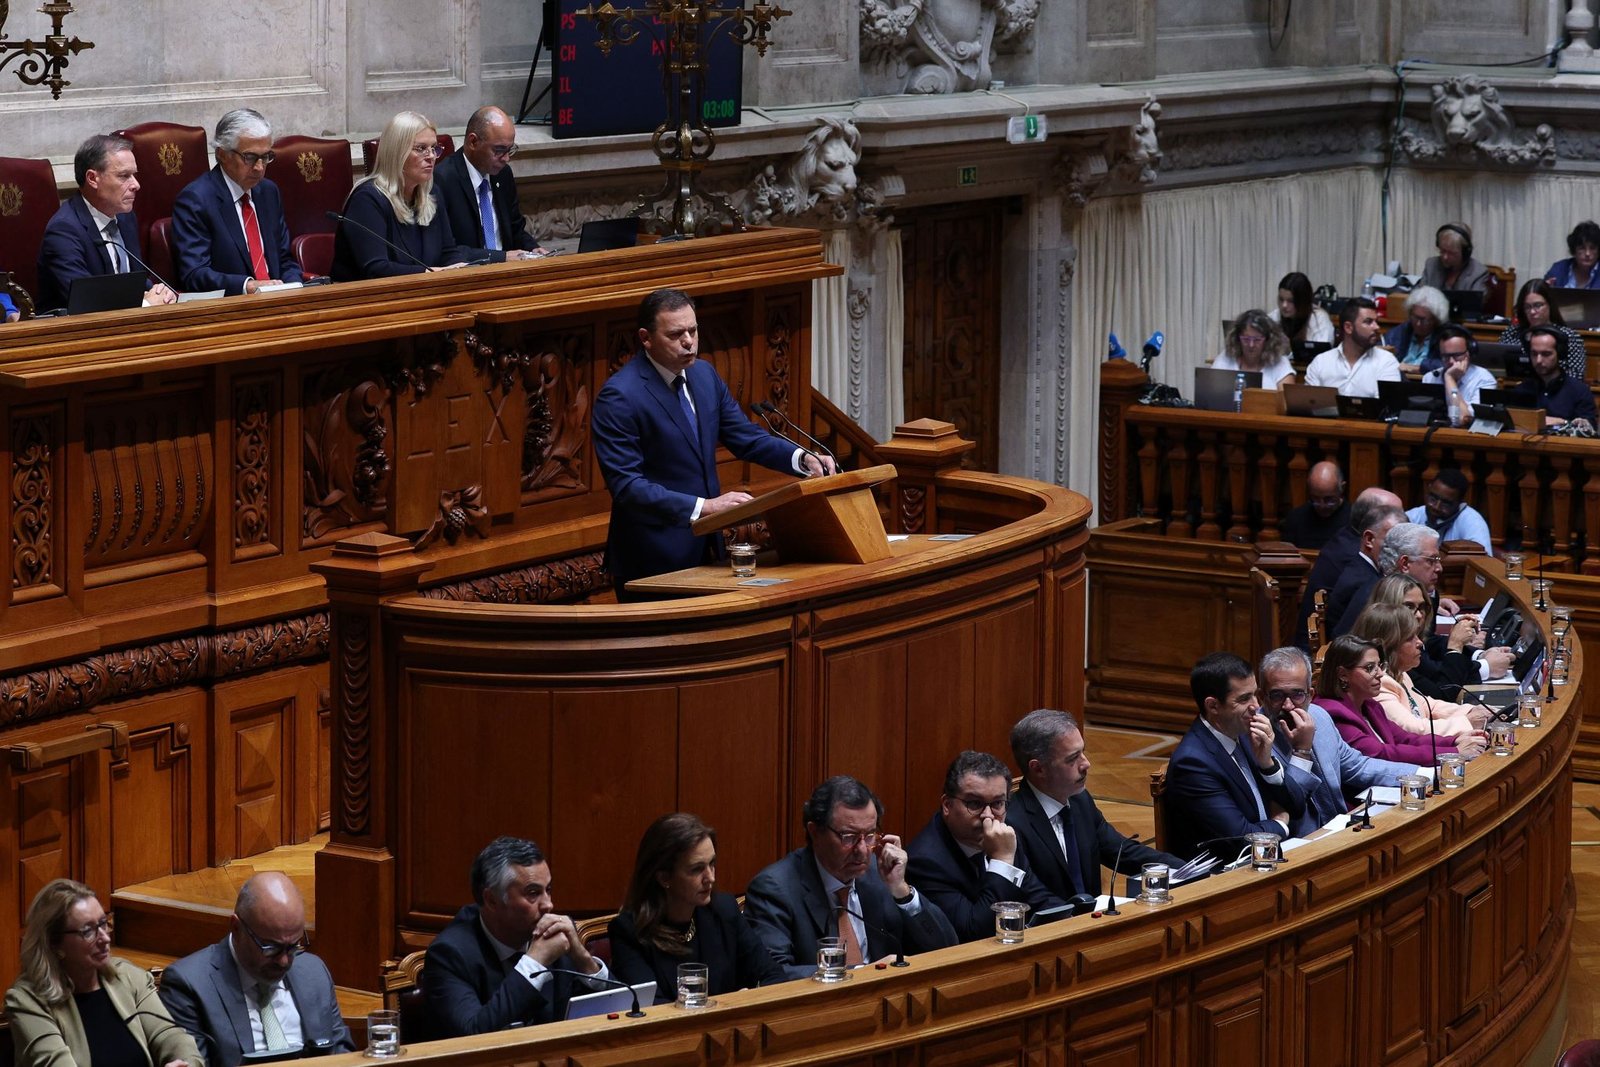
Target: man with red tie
x,y
228,230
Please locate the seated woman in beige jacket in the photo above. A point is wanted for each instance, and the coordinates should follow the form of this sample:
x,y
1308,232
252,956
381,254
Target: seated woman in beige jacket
x,y
75,1004
1397,633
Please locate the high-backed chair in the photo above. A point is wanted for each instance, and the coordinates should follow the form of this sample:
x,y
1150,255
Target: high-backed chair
x,y
314,175
402,992
369,149
595,934
1158,786
28,198
169,157
158,252
1502,290
314,253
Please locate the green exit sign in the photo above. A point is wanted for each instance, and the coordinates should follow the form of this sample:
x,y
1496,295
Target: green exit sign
x,y
967,176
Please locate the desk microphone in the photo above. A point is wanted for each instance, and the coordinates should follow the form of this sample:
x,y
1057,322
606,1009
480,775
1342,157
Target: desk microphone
x,y
899,945
609,983
140,262
336,217
1115,870
766,410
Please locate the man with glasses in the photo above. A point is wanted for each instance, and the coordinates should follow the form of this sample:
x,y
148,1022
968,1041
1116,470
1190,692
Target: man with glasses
x,y
1408,548
968,856
1308,743
1354,585
228,228
1066,838
849,882
258,989
1446,514
478,192
1224,780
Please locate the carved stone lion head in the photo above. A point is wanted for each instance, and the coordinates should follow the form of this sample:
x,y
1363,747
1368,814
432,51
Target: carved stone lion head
x,y
1467,111
825,167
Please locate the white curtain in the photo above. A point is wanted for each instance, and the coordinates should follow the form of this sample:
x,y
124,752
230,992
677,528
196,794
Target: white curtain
x,y
830,322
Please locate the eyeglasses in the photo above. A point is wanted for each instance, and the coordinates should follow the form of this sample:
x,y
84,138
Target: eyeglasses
x,y
976,806
93,930
427,151
274,948
1432,561
853,840
1371,668
502,151
253,159
1279,696
1252,340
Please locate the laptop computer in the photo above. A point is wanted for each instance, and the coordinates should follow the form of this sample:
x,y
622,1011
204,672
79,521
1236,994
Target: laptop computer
x,y
105,292
1580,308
1466,305
1360,407
1501,359
1214,387
602,235
1412,402
1306,351
1507,398
606,1001
1319,400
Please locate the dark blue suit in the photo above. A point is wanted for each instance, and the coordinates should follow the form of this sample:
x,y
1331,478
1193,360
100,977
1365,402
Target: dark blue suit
x,y
74,248
460,201
943,873
1099,843
724,941
470,991
1349,595
1331,562
358,254
655,464
1206,796
208,245
790,910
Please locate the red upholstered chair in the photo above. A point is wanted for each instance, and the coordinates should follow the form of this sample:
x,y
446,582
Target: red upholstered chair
x,y
158,251
314,253
369,149
1585,1053
28,198
314,175
169,157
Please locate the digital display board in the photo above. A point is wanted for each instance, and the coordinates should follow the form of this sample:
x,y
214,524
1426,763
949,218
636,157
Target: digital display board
x,y
596,95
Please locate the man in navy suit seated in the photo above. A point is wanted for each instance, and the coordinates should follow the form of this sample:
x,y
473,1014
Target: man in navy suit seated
x,y
491,967
968,858
656,423
836,887
1224,780
477,190
228,230
95,231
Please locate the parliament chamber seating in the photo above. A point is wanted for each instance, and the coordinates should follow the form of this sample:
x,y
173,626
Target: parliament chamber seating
x,y
315,176
158,251
169,156
1502,294
314,253
28,199
369,149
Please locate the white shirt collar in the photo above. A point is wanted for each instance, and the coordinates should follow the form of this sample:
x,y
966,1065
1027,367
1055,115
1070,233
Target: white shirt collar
x,y
474,176
1052,807
830,884
668,376
1228,743
504,951
101,219
235,190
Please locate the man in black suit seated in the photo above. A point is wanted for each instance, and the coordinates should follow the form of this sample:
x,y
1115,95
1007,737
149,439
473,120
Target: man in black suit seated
x,y
968,857
1066,837
478,192
833,887
1355,582
1325,512
491,967
1340,551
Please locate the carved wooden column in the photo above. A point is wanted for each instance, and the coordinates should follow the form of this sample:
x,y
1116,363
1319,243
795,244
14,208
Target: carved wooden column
x,y
921,451
1121,384
1282,570
355,872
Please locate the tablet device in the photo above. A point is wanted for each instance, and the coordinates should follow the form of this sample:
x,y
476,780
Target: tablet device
x,y
105,292
601,235
607,1001
1320,400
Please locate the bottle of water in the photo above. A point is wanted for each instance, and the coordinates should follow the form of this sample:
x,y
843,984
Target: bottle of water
x,y
1238,391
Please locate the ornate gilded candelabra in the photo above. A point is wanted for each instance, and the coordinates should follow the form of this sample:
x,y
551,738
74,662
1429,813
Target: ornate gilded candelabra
x,y
43,61
683,143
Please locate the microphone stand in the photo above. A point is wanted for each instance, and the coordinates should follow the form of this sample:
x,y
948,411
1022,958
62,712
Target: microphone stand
x,y
899,945
1111,898
336,217
610,983
1366,815
766,410
142,264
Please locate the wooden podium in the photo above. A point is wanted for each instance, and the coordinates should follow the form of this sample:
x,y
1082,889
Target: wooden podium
x,y
833,519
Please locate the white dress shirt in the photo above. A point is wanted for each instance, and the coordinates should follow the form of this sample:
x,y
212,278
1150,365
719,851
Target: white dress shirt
x,y
283,1007
1375,365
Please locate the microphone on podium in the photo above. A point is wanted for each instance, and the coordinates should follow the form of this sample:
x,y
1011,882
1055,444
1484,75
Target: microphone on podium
x,y
609,983
765,410
140,262
336,217
899,945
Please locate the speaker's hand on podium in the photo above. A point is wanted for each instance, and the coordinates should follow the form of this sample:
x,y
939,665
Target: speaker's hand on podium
x,y
816,466
724,502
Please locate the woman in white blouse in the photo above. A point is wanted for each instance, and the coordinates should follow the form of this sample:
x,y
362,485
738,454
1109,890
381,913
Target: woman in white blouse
x,y
1255,343
1300,318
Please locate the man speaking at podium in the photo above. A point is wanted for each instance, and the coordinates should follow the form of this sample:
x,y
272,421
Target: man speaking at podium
x,y
657,422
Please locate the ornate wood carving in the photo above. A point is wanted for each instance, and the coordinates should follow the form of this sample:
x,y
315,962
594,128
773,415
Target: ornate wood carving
x,y
346,466
253,404
557,433
33,448
781,316
461,512
913,508
555,582
355,723
154,465
139,671
495,359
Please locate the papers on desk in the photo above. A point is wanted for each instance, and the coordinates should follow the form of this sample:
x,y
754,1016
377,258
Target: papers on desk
x,y
899,537
281,287
1387,795
208,294
1103,901
1198,867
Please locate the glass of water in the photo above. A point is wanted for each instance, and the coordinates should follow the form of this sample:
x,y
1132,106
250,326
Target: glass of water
x,y
1560,668
1157,882
1513,562
1529,707
1264,854
742,558
1010,921
830,960
383,1034
1560,621
1452,771
1502,738
1413,792
1541,593
694,985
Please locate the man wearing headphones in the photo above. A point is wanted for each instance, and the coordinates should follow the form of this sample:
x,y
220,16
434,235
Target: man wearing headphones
x,y
1454,269
1463,379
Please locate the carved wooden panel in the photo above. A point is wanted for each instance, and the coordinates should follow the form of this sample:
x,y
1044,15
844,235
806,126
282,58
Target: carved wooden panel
x,y
37,529
257,467
783,321
555,438
1403,948
344,413
952,328
265,787
43,834
149,480
151,793
1229,1024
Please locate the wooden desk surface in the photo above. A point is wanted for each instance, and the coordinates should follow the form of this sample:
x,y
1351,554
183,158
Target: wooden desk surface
x,y
718,578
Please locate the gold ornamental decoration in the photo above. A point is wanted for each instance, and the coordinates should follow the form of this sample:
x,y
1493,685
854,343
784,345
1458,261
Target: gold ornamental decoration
x,y
10,200
42,61
310,166
170,156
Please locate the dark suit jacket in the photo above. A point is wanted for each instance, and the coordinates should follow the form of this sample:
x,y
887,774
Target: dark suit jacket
x,y
1098,843
790,910
460,201
73,248
203,995
358,254
1206,798
1331,562
724,941
655,464
1349,596
208,244
943,874
469,991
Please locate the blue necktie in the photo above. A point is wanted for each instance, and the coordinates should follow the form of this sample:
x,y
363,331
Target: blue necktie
x,y
680,385
491,238
1249,779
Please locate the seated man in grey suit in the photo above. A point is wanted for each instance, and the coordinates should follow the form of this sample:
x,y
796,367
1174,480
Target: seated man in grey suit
x,y
1308,743
834,887
257,989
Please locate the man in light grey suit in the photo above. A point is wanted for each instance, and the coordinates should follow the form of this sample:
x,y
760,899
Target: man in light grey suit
x,y
1331,772
257,989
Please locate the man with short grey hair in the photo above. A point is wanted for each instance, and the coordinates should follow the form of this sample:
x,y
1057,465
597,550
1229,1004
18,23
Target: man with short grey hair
x,y
228,228
1342,550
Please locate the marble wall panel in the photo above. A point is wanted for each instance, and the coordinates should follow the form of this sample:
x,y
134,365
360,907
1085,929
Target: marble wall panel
x,y
1202,35
815,55
423,55
1477,31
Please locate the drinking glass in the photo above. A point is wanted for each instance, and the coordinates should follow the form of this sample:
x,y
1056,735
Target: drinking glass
x,y
1157,885
694,982
1452,771
1413,792
742,558
1264,851
1010,921
1513,561
1502,738
1529,707
830,960
383,1034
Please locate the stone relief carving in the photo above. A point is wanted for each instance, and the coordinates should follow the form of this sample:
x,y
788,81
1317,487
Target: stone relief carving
x,y
1226,148
1127,158
858,305
1469,124
1141,154
938,46
819,181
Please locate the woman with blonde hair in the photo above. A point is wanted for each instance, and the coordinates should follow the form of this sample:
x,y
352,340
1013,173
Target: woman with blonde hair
x,y
392,223
1255,343
1397,633
75,1004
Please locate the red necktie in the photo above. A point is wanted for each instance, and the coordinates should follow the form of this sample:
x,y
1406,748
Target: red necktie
x,y
252,237
847,930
